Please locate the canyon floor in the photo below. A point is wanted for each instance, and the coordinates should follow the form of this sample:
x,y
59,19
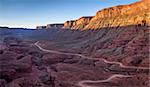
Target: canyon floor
x,y
111,57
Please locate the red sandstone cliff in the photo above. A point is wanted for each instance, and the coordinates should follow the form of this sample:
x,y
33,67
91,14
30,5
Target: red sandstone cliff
x,y
137,13
69,24
79,23
133,14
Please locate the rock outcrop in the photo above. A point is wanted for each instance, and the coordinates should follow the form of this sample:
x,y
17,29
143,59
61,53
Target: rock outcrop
x,y
82,22
79,23
69,24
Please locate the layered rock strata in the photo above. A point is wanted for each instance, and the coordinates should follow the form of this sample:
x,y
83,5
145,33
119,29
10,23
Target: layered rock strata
x,y
124,15
137,13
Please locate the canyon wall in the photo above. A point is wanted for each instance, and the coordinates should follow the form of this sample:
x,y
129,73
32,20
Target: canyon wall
x,y
133,14
68,24
137,13
79,23
82,22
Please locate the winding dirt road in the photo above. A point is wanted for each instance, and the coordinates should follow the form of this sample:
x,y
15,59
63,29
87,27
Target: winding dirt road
x,y
82,83
86,57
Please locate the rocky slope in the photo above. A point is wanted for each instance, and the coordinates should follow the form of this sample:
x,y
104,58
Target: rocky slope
x,y
22,64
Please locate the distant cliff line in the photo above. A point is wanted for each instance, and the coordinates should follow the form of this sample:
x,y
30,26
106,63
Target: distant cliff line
x,y
137,13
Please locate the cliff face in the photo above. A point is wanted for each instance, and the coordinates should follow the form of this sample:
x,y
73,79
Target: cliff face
x,y
123,15
133,14
68,24
79,23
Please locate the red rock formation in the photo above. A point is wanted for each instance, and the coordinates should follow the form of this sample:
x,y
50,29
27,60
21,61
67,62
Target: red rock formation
x,y
123,15
133,14
69,24
79,23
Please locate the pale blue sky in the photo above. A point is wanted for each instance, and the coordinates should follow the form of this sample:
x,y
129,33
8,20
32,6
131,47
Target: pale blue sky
x,y
30,13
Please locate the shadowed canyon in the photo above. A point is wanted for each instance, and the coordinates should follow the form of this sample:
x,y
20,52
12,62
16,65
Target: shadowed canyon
x,y
110,49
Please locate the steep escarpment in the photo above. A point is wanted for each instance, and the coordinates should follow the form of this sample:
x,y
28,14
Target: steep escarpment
x,y
123,15
79,23
73,24
82,22
133,14
69,24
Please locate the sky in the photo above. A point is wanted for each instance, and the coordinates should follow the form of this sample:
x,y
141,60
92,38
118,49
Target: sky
x,y
32,13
